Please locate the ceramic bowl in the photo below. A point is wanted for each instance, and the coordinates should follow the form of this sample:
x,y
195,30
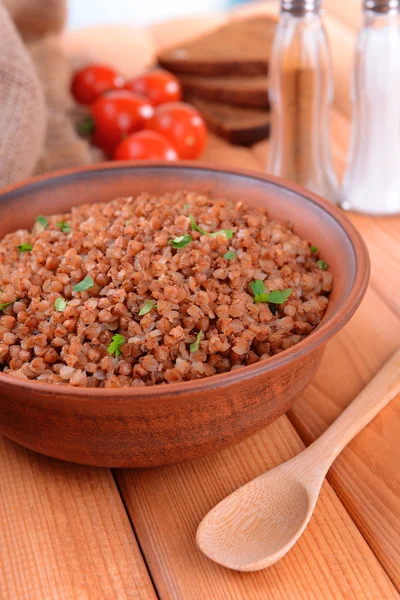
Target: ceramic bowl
x,y
169,423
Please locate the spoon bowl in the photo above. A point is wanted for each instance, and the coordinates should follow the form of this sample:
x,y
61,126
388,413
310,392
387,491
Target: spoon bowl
x,y
256,525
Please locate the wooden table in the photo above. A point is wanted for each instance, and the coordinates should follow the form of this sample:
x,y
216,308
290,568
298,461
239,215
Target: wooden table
x,y
75,532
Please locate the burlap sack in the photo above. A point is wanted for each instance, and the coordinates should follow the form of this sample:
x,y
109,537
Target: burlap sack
x,y
37,133
22,108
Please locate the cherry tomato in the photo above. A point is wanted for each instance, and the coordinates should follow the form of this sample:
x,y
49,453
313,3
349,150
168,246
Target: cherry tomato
x,y
90,82
145,145
117,114
158,86
182,125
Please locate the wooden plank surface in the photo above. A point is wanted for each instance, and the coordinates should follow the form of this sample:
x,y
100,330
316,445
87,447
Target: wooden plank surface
x,y
331,561
64,533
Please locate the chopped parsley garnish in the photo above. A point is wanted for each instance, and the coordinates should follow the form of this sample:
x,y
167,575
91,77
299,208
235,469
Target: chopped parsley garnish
x,y
181,241
117,342
314,249
83,285
229,255
257,287
5,304
24,247
146,308
60,304
42,220
228,232
279,297
64,226
186,206
275,297
196,344
322,265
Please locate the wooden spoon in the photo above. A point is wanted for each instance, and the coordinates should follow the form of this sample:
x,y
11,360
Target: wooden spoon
x,y
256,525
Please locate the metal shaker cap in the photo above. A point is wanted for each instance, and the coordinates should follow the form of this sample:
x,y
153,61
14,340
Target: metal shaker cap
x,y
381,6
301,7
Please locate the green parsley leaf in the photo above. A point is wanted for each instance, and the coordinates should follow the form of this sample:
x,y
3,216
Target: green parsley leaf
x,y
64,226
257,287
60,304
24,247
83,285
186,206
42,220
195,345
322,265
275,297
279,297
261,298
229,255
194,226
181,241
228,232
314,249
146,308
5,304
117,341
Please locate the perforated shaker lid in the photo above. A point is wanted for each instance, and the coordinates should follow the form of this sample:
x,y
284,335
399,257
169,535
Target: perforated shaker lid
x,y
301,7
381,6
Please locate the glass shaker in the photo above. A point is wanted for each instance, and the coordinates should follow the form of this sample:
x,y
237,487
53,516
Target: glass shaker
x,y
301,92
372,181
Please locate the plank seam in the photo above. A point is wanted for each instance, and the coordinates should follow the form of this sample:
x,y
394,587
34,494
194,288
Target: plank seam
x,y
156,591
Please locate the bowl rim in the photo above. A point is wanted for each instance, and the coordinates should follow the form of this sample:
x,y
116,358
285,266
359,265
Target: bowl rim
x,y
317,338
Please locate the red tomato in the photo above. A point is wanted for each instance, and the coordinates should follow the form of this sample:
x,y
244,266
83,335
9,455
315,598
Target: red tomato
x,y
158,86
183,125
89,83
117,114
145,145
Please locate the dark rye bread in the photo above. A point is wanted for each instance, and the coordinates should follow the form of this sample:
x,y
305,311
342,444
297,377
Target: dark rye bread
x,y
239,48
240,126
242,91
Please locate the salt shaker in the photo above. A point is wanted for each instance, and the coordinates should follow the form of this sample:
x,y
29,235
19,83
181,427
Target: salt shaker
x,y
372,181
301,93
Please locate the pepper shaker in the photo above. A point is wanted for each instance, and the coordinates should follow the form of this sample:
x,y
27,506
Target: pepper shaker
x,y
372,181
301,92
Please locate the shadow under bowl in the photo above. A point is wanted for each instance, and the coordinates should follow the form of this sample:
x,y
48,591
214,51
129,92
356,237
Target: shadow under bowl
x,y
163,424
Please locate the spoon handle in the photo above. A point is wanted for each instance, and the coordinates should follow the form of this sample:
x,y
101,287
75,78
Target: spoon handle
x,y
375,396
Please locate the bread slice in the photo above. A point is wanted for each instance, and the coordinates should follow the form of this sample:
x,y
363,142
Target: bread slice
x,y
239,48
240,126
242,91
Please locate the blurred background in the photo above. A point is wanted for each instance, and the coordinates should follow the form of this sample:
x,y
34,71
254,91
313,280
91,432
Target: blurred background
x,y
125,12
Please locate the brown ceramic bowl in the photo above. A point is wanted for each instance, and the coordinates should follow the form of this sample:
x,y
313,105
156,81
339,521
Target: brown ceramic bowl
x,y
169,423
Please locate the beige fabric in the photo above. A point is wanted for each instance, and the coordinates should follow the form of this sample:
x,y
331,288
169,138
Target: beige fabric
x,y
35,18
22,106
37,130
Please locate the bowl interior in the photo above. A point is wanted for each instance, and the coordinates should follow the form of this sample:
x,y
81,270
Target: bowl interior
x,y
315,221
